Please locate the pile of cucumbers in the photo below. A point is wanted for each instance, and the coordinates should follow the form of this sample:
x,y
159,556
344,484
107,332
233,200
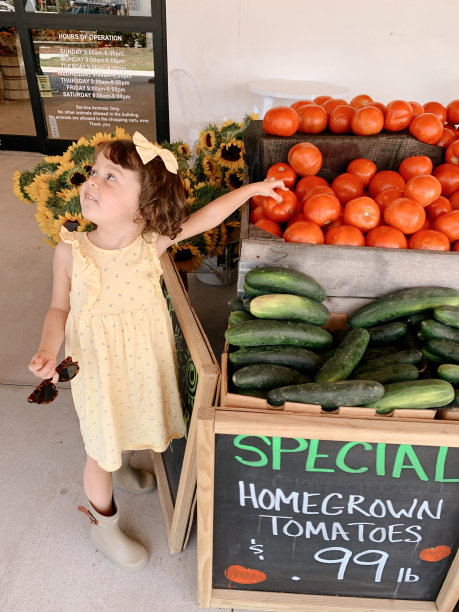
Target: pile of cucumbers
x,y
281,351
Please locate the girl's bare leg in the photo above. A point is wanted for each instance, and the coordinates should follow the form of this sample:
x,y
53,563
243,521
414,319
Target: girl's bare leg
x,y
98,486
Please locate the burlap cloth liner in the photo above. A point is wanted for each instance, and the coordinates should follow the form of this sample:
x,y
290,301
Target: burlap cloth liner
x,y
386,150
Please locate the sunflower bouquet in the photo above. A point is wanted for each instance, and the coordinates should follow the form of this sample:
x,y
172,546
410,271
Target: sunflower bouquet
x,y
54,186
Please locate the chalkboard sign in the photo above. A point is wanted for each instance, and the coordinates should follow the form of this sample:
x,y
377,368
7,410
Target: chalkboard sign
x,y
198,376
330,512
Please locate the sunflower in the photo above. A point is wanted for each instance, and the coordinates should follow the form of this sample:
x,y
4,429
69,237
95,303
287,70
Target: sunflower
x,y
209,139
186,257
211,168
72,222
234,231
38,190
210,240
234,178
21,180
80,152
73,177
52,159
45,219
230,154
64,167
184,150
70,200
221,239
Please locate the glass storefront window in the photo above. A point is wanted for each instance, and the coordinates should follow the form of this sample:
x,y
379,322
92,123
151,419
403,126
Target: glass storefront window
x,y
141,8
16,115
7,5
94,81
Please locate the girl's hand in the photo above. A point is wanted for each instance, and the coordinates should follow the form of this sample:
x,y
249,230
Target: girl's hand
x,y
266,188
43,365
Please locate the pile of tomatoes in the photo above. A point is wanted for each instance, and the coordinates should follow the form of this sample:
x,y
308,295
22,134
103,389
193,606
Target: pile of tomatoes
x,y
432,123
416,207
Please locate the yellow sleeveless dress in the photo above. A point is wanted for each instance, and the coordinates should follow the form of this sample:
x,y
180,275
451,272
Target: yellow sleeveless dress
x,y
120,332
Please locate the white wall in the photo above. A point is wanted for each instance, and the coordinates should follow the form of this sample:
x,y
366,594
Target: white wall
x,y
405,49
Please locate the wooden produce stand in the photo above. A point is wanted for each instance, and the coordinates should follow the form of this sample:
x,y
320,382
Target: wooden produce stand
x,y
267,538
302,513
199,375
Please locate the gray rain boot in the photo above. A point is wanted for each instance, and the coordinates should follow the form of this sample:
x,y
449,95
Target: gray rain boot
x,y
116,545
132,479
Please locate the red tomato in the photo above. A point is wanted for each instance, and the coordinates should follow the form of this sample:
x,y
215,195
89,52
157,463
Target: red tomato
x,y
386,196
298,216
305,184
417,108
405,214
429,239
361,100
321,99
362,212
447,137
454,199
345,235
321,208
439,207
398,116
282,172
414,165
256,214
329,105
347,186
367,120
448,224
269,226
305,158
364,168
313,119
455,246
424,188
283,210
386,236
339,119
281,121
448,175
300,103
427,128
385,179
304,231
452,153
436,109
256,201
380,105
452,112
318,189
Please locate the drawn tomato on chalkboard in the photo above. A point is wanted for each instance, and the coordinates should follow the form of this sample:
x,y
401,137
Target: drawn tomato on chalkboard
x,y
435,553
244,575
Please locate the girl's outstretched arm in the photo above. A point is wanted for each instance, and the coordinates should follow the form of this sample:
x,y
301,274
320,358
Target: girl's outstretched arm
x,y
217,211
43,363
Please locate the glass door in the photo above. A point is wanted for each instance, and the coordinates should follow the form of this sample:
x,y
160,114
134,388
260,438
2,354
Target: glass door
x,y
71,68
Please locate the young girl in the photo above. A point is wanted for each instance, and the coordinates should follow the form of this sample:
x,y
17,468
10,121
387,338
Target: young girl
x,y
108,305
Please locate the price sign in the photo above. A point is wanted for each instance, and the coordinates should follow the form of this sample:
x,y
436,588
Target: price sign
x,y
351,516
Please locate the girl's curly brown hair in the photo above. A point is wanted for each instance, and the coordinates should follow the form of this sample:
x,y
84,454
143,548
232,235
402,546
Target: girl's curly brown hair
x,y
162,204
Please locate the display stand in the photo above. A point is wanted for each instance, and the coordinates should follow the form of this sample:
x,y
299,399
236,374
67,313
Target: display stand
x,y
306,513
199,374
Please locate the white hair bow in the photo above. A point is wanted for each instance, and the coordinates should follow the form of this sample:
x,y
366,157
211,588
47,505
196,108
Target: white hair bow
x,y
148,151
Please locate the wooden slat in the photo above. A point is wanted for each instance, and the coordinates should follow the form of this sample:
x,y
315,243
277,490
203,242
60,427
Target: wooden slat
x,y
448,596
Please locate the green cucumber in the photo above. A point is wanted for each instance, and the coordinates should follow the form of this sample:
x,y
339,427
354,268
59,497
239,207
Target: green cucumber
x,y
285,280
289,307
388,333
344,358
434,329
253,291
408,356
246,299
395,372
237,316
402,303
236,304
253,392
447,315
415,395
328,395
379,351
300,359
292,333
449,372
417,317
266,376
431,356
447,350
